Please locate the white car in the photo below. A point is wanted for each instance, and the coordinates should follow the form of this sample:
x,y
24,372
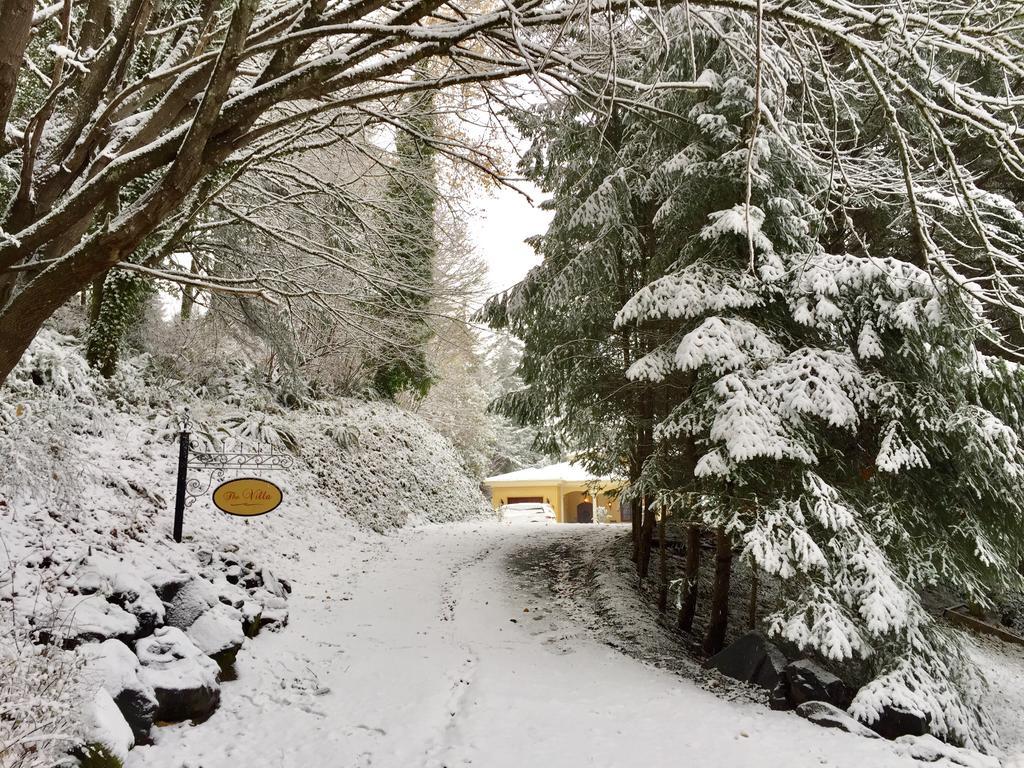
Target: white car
x,y
526,512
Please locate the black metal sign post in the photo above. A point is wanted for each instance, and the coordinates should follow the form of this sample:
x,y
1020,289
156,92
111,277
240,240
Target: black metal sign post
x,y
216,462
179,497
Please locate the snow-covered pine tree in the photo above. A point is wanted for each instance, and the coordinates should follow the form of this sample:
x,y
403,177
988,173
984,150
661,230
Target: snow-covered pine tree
x,y
849,435
601,247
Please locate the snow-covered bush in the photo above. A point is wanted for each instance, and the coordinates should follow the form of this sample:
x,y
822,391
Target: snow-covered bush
x,y
40,691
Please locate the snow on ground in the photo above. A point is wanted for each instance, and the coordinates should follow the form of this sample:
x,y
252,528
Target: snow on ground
x,y
476,643
425,648
1003,667
86,498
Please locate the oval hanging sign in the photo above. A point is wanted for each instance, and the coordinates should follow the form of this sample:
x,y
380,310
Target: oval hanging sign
x,y
247,496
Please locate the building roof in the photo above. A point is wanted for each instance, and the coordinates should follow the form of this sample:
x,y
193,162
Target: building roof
x,y
563,472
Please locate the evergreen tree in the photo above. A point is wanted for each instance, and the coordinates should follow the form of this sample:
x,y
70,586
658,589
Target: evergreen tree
x,y
410,238
602,246
849,436
816,396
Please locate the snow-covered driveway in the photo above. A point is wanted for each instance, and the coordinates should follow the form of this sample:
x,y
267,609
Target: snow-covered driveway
x,y
415,650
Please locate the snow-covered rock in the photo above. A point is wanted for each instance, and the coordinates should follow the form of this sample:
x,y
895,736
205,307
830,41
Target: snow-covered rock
x,y
112,666
896,721
271,584
929,749
185,602
828,716
218,633
121,584
252,617
183,677
275,609
91,618
808,681
752,659
106,729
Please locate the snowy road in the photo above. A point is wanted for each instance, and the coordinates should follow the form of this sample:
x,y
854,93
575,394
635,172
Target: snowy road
x,y
402,652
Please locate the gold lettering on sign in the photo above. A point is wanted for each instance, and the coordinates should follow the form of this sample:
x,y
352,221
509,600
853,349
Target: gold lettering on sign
x,y
247,496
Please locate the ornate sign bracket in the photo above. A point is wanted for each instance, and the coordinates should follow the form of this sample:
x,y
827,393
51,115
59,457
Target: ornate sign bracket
x,y
215,464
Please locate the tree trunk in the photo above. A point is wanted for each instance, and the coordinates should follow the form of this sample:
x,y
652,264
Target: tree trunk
x,y
96,298
662,565
714,640
646,539
636,519
688,606
752,607
14,38
188,300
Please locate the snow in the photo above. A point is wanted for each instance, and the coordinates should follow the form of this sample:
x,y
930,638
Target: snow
x,y
738,220
724,344
417,648
689,293
930,750
172,662
563,472
423,649
217,630
93,616
106,726
111,665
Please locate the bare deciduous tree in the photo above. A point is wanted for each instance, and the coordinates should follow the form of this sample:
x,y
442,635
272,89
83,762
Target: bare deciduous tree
x,y
113,115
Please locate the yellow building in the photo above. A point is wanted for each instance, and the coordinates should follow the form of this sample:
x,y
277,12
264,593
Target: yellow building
x,y
567,487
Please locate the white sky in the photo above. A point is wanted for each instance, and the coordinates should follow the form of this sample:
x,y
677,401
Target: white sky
x,y
503,220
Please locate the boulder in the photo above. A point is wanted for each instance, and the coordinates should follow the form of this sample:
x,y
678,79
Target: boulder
x,y
112,666
107,735
93,619
828,716
167,583
138,597
182,676
898,721
218,633
230,594
252,618
778,699
807,681
271,584
751,659
187,601
929,749
118,582
252,581
275,609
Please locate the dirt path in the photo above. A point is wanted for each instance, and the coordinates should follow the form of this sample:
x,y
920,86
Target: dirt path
x,y
423,649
